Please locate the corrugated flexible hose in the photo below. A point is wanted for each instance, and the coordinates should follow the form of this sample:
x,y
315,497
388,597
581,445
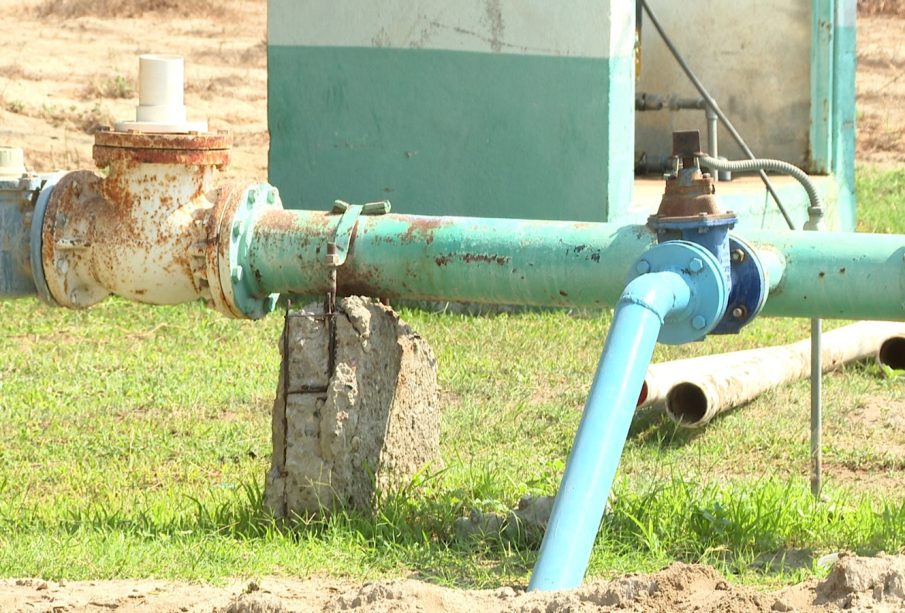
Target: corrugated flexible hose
x,y
815,210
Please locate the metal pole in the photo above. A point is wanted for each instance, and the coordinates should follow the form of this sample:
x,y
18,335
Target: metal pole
x,y
816,409
712,140
716,108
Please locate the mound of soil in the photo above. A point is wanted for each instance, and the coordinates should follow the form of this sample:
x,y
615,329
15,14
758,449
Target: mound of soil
x,y
854,583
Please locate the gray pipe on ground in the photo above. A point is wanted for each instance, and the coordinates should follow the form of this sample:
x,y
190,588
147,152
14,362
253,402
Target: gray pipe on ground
x,y
695,390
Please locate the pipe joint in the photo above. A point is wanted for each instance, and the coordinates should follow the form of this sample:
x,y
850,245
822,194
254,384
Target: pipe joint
x,y
156,229
19,190
235,285
697,291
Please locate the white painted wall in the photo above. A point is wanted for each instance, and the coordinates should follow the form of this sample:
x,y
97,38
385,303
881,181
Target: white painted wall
x,y
753,56
578,28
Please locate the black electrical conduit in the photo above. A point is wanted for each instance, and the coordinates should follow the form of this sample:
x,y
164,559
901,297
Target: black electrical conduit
x,y
716,109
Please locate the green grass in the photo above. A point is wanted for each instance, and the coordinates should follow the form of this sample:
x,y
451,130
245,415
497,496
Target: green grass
x,y
134,443
880,205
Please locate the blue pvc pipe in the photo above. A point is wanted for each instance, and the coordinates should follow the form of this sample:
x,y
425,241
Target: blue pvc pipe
x,y
582,496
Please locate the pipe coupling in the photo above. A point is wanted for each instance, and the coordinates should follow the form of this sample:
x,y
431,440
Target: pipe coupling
x,y
708,289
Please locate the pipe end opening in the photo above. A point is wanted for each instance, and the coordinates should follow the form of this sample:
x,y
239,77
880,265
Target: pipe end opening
x,y
686,404
642,397
892,353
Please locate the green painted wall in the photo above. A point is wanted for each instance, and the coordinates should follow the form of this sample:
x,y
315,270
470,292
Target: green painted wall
x,y
443,132
501,108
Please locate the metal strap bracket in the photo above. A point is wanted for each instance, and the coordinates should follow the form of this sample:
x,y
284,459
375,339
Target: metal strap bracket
x,y
349,214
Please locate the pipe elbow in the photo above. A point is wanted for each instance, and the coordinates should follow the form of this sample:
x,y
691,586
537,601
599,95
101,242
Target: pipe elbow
x,y
661,293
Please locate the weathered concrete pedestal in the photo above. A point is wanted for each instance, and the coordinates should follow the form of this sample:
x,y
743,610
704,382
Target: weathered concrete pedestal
x,y
356,413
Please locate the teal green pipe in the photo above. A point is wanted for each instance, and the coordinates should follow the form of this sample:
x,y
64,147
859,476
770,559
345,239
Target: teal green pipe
x,y
491,261
580,502
545,263
835,275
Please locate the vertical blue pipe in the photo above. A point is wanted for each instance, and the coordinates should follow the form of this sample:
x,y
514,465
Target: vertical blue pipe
x,y
644,305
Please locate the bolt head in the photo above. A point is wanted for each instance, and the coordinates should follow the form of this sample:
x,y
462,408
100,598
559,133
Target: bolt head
x,y
236,274
737,255
695,265
642,267
699,322
271,196
739,312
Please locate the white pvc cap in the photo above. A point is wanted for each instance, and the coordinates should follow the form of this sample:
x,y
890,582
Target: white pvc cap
x,y
12,162
160,89
161,106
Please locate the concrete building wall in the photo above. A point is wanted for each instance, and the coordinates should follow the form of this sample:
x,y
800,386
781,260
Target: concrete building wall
x,y
523,27
502,108
753,56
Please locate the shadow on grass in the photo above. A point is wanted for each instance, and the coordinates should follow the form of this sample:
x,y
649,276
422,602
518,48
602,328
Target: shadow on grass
x,y
768,526
651,427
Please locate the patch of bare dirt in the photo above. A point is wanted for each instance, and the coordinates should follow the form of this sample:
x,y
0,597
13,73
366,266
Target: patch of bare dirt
x,y
70,66
881,86
881,7
854,583
129,8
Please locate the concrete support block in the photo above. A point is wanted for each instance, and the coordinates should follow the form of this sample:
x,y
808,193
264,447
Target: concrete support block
x,y
372,425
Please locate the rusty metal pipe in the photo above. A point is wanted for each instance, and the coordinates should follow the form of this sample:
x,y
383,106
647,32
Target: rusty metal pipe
x,y
141,231
491,261
694,390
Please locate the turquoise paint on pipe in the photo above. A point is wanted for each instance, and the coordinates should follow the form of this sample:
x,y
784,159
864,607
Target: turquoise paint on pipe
x,y
501,261
836,275
480,260
580,502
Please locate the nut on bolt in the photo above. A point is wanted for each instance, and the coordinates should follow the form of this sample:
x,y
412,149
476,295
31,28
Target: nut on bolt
x,y
738,256
696,265
642,267
699,322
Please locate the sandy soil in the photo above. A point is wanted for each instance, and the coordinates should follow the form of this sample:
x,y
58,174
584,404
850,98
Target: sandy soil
x,y
58,79
881,90
854,583
62,77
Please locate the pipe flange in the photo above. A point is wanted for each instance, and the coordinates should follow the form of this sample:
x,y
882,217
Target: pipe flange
x,y
65,244
704,276
207,149
234,291
36,240
749,288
